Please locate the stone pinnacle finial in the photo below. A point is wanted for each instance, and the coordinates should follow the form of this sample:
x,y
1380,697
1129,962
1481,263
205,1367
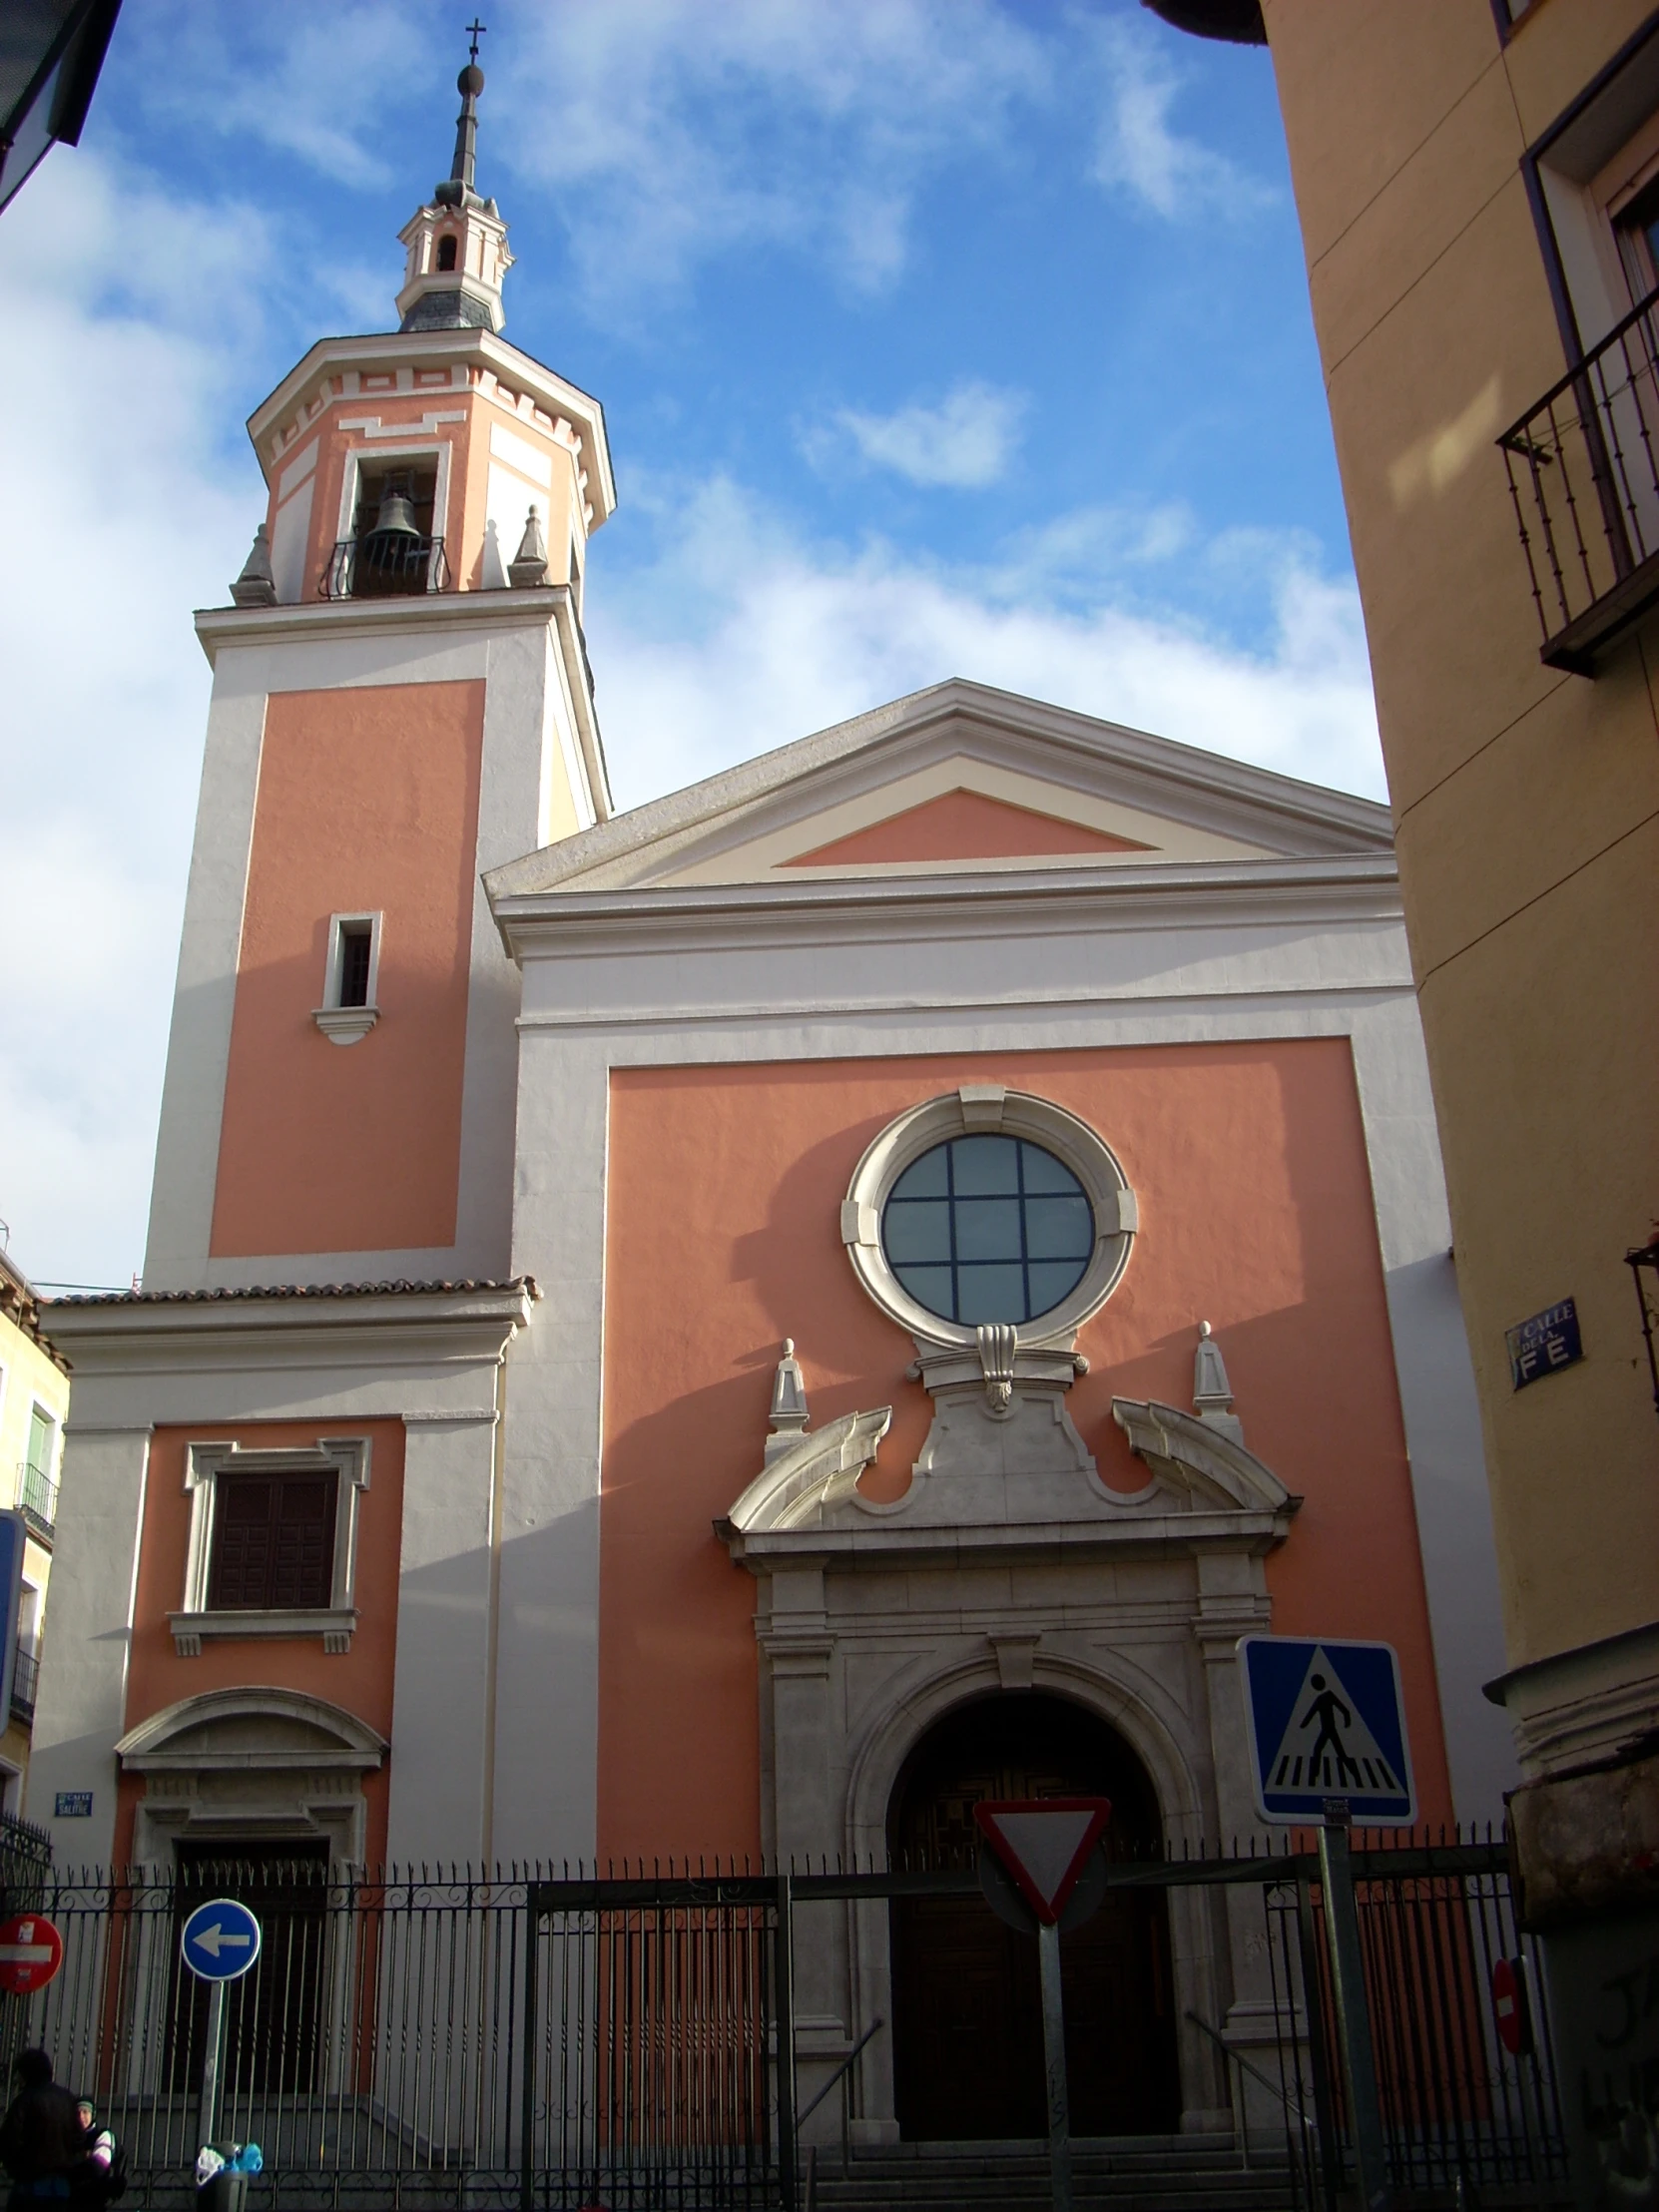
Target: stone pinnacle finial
x,y
255,587
789,1402
1212,1392
528,566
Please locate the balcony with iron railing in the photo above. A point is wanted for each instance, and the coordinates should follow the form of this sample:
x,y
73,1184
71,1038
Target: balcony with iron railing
x,y
25,1681
1583,466
37,1495
386,564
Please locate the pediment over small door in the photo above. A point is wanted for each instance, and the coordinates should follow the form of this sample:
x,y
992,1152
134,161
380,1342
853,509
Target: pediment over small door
x,y
959,777
250,1730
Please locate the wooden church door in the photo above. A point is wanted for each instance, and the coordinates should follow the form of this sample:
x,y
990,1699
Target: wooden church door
x,y
967,2030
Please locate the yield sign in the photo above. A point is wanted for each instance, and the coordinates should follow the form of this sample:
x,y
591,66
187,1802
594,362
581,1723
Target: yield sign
x,y
31,1952
1045,1844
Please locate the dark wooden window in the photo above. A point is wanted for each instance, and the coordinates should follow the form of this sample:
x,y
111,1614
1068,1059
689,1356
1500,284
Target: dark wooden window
x,y
447,252
273,1540
357,941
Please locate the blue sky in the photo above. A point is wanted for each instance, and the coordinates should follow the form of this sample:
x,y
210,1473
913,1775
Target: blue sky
x,y
935,337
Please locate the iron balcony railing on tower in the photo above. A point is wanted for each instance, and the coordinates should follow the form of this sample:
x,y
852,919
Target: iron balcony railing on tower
x,y
386,564
1583,467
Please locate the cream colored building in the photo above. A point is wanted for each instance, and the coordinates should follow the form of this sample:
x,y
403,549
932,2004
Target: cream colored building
x,y
34,1404
1477,182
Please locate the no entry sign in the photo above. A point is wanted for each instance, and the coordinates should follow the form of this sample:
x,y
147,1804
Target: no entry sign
x,y
1514,2028
31,1952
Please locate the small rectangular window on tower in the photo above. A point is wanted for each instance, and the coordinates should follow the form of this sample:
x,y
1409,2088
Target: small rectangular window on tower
x,y
355,943
349,1010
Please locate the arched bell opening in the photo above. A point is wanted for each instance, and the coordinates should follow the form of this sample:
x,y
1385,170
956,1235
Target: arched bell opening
x,y
967,2024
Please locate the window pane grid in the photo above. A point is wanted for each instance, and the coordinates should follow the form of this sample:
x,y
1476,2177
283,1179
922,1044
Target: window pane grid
x,y
988,1229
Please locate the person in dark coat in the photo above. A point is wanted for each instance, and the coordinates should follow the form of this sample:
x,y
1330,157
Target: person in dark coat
x,y
42,2141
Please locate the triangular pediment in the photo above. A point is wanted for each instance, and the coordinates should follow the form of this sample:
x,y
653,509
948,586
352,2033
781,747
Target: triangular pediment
x,y
964,825
958,778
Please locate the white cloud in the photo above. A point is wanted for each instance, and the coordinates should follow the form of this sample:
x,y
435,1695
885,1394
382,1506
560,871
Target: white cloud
x,y
121,516
324,84
779,637
1139,150
672,134
967,441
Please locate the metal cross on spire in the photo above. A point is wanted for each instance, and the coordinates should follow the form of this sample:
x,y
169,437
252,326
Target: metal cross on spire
x,y
477,29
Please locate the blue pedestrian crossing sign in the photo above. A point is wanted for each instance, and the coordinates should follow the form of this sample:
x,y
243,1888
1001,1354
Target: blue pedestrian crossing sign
x,y
1326,1720
220,1940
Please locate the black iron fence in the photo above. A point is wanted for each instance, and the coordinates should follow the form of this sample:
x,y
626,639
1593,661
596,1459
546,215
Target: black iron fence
x,y
532,2039
1461,2111
1583,469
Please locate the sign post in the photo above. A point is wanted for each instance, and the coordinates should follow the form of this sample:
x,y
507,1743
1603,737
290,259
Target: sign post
x,y
220,1944
1046,1845
1327,1744
1348,1986
1054,2064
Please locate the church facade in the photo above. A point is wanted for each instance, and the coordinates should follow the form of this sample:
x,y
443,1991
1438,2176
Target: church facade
x,y
730,1329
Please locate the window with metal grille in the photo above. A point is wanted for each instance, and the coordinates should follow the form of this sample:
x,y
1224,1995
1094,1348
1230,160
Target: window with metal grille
x,y
274,1541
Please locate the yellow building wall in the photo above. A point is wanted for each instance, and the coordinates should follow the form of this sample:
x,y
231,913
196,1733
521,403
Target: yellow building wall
x,y
29,1377
1526,800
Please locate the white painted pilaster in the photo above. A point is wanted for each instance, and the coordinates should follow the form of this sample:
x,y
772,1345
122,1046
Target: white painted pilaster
x,y
440,1712
81,1708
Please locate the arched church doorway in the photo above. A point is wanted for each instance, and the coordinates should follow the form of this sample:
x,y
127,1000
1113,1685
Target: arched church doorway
x,y
968,2023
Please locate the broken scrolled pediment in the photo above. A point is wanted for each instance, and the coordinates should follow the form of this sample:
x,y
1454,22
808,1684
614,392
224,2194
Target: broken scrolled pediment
x,y
1198,1463
810,1474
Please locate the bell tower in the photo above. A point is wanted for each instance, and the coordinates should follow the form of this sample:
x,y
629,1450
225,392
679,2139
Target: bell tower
x,y
401,698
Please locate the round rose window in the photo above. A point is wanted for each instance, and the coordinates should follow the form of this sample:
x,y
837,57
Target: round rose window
x,y
988,1229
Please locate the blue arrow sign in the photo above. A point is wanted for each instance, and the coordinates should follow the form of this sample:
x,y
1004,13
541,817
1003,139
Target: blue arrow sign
x,y
1326,1720
220,1940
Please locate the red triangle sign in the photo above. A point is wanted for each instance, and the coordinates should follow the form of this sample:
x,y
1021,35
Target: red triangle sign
x,y
1045,1844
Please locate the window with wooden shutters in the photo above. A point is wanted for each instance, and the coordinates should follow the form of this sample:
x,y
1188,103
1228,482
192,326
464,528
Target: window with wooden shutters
x,y
274,1541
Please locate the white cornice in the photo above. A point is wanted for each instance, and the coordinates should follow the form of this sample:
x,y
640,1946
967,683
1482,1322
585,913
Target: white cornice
x,y
892,1546
1150,772
426,612
1337,888
442,349
416,1328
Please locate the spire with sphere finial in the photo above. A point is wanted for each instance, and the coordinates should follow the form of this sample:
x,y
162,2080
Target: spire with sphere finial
x,y
459,188
457,244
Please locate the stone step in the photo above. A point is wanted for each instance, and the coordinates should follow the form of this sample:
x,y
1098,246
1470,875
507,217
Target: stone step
x,y
1130,2174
